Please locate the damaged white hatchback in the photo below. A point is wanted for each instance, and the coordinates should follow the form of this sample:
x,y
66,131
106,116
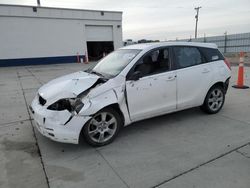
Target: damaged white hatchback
x,y
133,83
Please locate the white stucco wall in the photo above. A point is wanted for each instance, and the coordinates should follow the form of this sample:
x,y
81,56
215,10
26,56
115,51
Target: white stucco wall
x,y
50,32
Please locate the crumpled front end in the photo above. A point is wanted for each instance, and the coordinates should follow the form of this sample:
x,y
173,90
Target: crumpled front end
x,y
62,126
63,106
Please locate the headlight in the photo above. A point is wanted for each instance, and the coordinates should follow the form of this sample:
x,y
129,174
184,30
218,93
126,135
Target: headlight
x,y
67,104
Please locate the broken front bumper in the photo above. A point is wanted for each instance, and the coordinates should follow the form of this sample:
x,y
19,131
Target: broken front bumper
x,y
60,126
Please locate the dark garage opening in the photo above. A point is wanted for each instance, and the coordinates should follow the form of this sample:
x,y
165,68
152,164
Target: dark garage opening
x,y
96,49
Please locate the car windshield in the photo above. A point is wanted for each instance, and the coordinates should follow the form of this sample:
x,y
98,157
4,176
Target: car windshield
x,y
114,63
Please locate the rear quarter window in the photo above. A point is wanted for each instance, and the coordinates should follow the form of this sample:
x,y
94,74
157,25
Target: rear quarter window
x,y
211,54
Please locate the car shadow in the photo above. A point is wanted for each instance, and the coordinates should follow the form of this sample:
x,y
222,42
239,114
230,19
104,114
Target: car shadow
x,y
131,131
160,121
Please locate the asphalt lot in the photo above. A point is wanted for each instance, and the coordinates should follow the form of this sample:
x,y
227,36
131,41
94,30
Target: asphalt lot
x,y
184,149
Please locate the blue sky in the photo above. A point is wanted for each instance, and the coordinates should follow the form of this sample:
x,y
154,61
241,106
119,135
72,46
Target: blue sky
x,y
166,19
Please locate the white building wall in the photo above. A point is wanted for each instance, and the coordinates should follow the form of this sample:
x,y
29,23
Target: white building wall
x,y
29,37
39,37
50,32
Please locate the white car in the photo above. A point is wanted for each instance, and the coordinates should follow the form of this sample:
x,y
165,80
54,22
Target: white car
x,y
133,83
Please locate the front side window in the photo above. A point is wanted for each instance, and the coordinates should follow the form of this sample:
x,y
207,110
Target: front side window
x,y
187,56
114,63
154,62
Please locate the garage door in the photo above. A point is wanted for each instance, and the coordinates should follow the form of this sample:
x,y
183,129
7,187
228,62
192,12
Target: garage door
x,y
99,33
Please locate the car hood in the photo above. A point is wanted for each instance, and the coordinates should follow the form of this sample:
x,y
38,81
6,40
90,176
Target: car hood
x,y
68,86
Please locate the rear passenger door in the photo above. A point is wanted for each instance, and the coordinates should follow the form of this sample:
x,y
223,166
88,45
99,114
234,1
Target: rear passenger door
x,y
193,76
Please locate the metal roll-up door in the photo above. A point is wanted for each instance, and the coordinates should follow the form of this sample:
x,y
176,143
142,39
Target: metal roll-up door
x,y
99,33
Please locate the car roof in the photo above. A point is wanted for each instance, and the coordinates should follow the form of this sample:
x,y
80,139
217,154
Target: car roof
x,y
149,46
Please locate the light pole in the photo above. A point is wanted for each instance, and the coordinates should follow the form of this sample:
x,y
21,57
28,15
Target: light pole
x,y
196,17
38,3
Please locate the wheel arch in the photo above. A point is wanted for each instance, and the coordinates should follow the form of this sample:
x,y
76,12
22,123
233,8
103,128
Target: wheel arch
x,y
223,86
115,106
219,83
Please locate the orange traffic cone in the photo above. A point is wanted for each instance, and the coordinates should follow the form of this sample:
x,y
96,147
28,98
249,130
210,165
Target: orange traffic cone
x,y
240,82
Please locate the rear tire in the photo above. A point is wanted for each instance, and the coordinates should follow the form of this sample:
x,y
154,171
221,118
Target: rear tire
x,y
102,128
214,100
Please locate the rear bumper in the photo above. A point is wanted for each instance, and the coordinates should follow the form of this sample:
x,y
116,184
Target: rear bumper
x,y
60,126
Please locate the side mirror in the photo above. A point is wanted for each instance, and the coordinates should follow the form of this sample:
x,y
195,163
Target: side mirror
x,y
136,75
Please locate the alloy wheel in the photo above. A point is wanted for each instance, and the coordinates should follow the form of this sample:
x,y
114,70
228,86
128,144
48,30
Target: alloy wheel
x,y
215,99
102,127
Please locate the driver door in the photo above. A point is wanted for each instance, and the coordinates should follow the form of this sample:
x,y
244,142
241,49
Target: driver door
x,y
154,91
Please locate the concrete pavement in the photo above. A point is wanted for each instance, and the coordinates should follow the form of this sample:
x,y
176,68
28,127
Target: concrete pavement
x,y
183,149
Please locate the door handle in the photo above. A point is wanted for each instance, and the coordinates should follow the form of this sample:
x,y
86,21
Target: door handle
x,y
170,78
205,70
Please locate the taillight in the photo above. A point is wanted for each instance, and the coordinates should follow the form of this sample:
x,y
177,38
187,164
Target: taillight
x,y
227,63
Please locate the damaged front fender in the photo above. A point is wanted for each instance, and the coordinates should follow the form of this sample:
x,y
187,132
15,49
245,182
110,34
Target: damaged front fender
x,y
93,105
97,100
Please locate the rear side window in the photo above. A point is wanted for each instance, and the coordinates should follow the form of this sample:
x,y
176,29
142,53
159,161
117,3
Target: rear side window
x,y
211,54
187,56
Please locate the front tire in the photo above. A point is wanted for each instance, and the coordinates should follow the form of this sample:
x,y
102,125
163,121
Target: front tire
x,y
102,128
214,100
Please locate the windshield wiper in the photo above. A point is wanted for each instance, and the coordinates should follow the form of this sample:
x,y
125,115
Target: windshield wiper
x,y
88,70
97,73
